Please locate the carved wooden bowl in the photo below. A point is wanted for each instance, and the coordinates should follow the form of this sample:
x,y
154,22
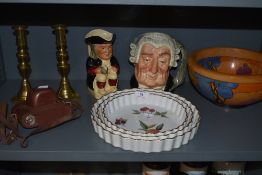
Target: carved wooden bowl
x,y
227,76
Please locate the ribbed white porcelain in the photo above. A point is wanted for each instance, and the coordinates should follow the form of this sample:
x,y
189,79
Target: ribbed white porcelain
x,y
153,112
179,106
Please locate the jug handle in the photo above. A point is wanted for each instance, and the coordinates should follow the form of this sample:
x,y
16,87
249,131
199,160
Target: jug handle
x,y
182,69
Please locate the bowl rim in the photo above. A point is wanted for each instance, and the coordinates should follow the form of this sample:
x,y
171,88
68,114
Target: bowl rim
x,y
224,51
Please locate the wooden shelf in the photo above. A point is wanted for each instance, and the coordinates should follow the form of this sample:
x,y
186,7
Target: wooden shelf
x,y
225,134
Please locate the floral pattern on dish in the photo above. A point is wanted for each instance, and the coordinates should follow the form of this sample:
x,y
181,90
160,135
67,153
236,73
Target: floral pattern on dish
x,y
120,121
149,112
151,128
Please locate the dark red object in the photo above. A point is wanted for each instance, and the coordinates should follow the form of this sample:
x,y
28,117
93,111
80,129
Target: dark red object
x,y
112,82
44,110
101,85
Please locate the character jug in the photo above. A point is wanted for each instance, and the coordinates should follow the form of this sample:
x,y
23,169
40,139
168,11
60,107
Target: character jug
x,y
154,55
101,66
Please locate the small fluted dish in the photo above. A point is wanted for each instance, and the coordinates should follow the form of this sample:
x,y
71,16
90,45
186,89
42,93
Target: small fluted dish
x,y
227,76
138,124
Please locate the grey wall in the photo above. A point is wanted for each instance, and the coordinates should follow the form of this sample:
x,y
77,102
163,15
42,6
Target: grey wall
x,y
42,48
2,67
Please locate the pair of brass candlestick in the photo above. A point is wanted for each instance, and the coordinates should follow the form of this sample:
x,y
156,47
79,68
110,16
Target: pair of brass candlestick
x,y
65,90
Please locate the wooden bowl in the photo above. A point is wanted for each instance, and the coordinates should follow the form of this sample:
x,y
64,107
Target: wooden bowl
x,y
227,76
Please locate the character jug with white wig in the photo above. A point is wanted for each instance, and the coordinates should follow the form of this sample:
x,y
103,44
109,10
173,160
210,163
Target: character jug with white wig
x,y
154,55
101,66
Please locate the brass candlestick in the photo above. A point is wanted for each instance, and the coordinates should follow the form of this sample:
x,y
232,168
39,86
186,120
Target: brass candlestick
x,y
23,63
65,90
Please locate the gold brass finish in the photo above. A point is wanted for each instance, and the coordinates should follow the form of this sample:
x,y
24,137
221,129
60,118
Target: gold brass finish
x,y
65,90
23,63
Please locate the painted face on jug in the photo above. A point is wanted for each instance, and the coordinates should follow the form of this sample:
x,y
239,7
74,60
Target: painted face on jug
x,y
104,51
152,69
